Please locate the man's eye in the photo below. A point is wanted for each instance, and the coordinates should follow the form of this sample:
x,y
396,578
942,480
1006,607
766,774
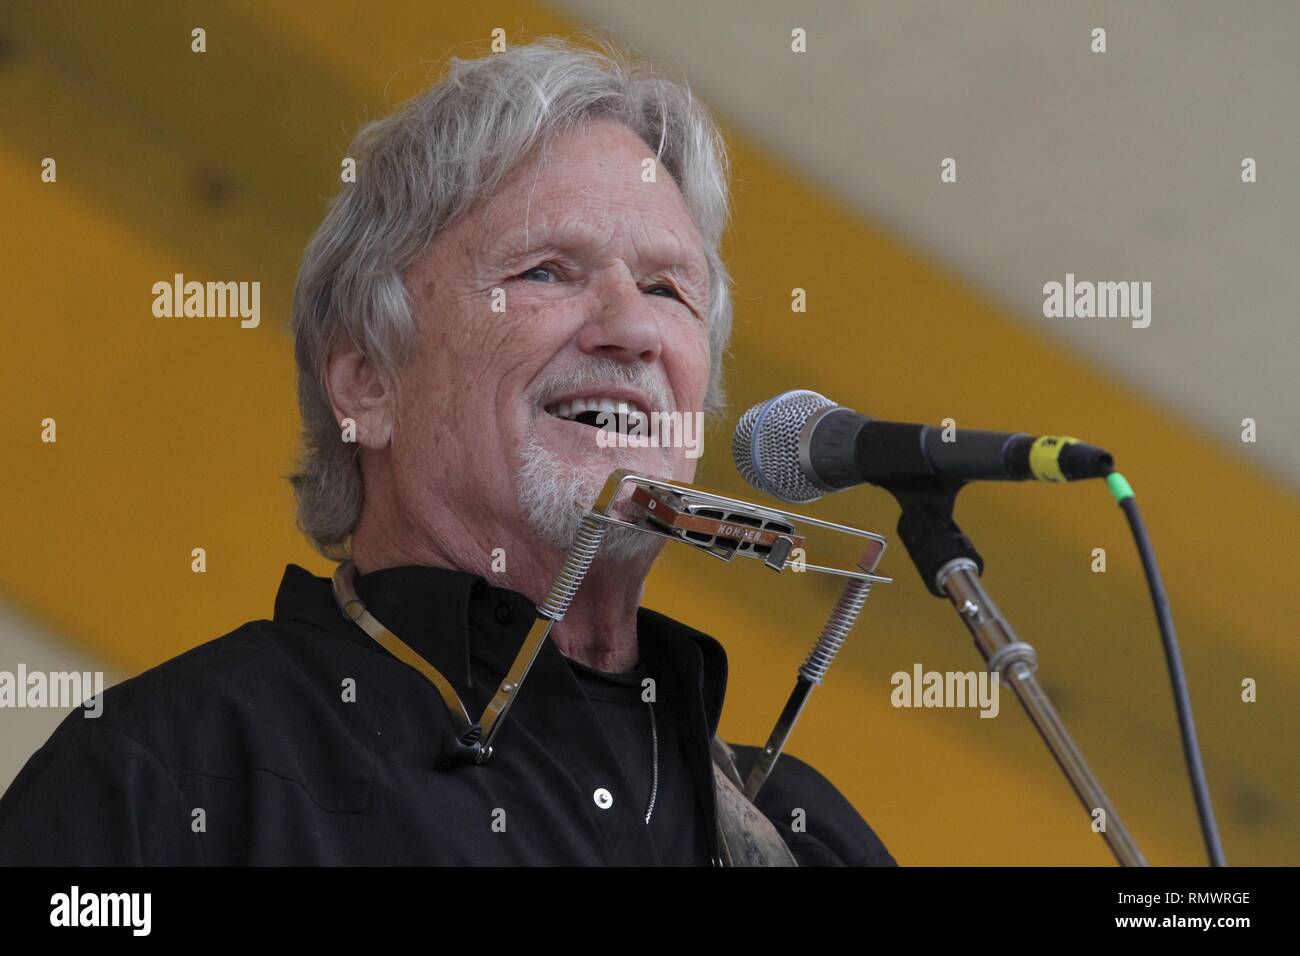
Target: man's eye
x,y
656,289
539,274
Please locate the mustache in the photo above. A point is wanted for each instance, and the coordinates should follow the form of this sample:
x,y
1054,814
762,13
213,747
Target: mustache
x,y
597,372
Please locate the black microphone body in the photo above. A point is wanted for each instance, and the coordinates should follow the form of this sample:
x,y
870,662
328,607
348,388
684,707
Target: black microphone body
x,y
801,445
845,448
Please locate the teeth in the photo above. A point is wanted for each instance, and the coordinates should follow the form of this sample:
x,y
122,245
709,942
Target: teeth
x,y
571,410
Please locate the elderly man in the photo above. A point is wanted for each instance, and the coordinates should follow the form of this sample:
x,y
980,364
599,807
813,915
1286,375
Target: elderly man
x,y
528,244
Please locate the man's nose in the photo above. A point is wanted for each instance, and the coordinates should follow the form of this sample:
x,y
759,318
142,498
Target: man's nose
x,y
623,325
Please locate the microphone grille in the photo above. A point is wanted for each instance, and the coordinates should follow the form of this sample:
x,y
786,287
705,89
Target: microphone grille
x,y
765,446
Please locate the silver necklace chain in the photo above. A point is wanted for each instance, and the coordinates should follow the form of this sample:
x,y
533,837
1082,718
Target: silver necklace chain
x,y
654,744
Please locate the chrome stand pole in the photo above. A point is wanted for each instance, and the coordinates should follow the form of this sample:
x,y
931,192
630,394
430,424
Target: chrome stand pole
x,y
1015,661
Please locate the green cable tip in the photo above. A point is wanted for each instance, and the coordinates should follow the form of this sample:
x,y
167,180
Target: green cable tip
x,y
1119,486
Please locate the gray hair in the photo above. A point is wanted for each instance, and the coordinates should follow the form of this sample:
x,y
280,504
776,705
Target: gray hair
x,y
425,165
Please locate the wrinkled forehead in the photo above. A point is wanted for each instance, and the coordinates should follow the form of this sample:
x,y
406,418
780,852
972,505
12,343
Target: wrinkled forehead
x,y
587,168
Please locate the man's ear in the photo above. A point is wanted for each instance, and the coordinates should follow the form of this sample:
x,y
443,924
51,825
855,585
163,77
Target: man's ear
x,y
357,392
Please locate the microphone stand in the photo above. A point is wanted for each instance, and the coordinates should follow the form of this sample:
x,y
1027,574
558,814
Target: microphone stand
x,y
950,567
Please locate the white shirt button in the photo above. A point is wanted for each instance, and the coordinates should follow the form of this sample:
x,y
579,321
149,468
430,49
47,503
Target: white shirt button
x,y
604,799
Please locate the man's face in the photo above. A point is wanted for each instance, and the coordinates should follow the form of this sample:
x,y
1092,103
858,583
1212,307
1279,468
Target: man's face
x,y
601,288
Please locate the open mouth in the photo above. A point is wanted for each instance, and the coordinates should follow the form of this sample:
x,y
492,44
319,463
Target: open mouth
x,y
608,414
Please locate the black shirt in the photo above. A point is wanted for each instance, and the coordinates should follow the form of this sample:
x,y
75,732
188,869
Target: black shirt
x,y
300,740
645,739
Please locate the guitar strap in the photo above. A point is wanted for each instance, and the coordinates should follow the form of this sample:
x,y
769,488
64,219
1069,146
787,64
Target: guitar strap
x,y
745,836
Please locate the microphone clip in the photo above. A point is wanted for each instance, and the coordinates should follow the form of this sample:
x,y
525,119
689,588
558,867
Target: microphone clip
x,y
927,529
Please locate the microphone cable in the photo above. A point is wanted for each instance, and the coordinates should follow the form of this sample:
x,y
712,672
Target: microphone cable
x,y
1124,497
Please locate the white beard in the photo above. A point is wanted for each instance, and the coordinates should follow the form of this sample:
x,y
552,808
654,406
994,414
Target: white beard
x,y
554,495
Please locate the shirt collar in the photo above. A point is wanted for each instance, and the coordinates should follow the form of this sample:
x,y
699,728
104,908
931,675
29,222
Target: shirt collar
x,y
431,610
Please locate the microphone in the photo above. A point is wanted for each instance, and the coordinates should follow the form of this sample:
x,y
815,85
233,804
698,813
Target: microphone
x,y
800,445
